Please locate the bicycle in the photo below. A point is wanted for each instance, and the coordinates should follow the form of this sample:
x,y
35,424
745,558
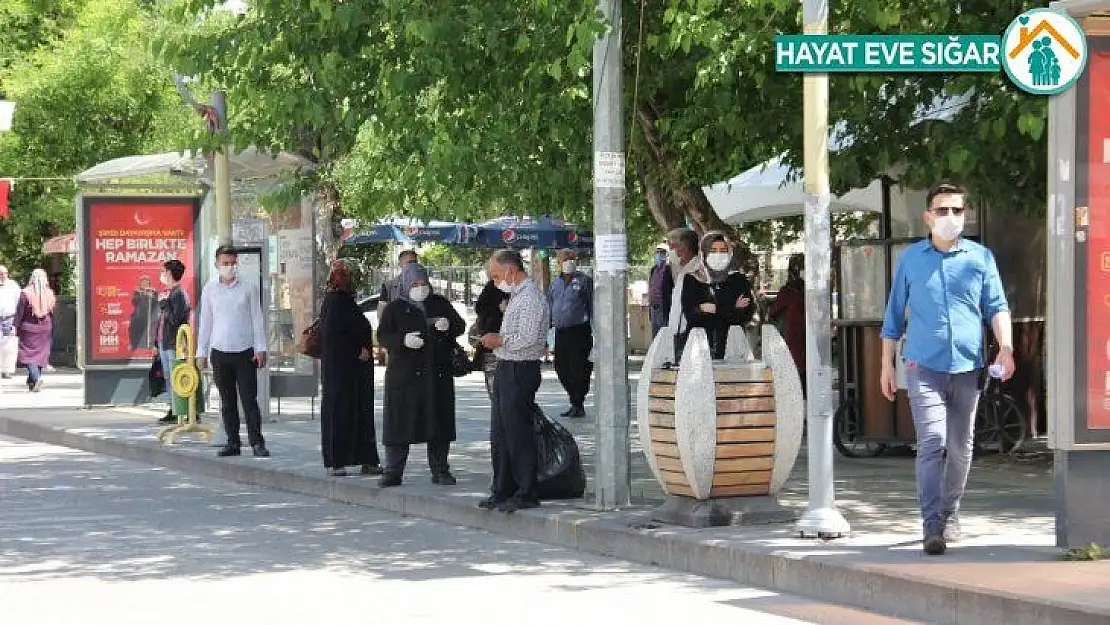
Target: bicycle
x,y
1000,426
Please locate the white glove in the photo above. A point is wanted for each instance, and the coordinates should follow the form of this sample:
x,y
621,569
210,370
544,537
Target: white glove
x,y
413,340
442,324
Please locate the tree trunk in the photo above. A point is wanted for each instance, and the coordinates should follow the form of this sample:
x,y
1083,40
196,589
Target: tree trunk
x,y
666,214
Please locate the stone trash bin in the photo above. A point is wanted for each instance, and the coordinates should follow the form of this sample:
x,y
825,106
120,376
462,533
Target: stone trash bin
x,y
721,437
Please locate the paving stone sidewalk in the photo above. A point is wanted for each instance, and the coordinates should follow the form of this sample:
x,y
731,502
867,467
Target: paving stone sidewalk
x,y
1007,514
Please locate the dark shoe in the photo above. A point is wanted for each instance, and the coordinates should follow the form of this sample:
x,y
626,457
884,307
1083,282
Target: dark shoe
x,y
389,480
5,376
371,469
568,412
490,503
953,533
260,451
577,412
444,479
933,543
228,450
340,472
517,503
169,418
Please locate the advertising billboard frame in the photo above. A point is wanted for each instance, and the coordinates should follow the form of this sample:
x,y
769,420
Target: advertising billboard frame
x,y
86,205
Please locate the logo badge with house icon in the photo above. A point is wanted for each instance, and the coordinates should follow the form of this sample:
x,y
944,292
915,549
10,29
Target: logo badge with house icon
x,y
1044,51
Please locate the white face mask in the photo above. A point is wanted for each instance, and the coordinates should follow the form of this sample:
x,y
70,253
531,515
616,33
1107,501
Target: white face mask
x,y
227,272
717,261
948,227
569,266
505,286
420,293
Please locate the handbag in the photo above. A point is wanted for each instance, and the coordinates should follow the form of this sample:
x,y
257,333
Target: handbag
x,y
460,360
309,345
156,377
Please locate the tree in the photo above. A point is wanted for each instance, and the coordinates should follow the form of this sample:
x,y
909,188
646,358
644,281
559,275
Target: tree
x,y
456,110
80,74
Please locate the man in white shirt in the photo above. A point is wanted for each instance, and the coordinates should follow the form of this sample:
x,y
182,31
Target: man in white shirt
x,y
232,335
9,343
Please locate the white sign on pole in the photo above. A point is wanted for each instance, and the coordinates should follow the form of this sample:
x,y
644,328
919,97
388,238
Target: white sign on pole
x,y
609,168
611,253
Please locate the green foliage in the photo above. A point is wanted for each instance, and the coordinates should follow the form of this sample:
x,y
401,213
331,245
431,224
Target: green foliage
x,y
81,75
449,110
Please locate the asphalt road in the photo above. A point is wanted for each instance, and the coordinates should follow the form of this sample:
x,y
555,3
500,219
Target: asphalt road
x,y
88,539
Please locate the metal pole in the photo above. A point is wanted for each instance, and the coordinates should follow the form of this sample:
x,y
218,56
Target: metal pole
x,y
612,472
222,165
821,517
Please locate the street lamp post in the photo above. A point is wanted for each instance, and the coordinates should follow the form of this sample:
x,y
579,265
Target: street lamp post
x,y
821,517
613,472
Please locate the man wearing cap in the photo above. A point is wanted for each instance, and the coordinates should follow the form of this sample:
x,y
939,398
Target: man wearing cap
x,y
660,286
9,343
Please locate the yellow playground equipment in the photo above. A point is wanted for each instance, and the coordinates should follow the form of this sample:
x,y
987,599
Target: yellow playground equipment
x,y
184,379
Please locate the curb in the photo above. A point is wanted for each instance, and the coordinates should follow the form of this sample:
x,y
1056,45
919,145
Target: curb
x,y
621,535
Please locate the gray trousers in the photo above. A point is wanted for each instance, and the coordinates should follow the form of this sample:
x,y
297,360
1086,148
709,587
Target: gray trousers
x,y
943,406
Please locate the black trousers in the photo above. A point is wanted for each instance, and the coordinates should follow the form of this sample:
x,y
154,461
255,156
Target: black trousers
x,y
572,361
396,456
512,436
236,377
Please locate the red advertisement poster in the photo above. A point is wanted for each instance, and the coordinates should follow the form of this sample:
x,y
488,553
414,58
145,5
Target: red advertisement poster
x,y
127,244
1098,254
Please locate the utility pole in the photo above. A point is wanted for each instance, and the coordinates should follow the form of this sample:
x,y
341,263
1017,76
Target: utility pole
x,y
612,473
222,165
821,517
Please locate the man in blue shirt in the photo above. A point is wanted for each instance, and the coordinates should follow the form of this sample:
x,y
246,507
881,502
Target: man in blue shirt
x,y
571,298
945,287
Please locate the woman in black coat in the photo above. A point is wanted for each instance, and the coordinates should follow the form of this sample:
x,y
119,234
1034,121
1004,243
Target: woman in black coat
x,y
418,329
715,298
347,436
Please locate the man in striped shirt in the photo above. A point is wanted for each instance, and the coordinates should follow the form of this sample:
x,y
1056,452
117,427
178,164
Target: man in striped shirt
x,y
519,347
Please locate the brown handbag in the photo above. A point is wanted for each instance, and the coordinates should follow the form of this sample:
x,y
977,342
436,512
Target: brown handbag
x,y
309,345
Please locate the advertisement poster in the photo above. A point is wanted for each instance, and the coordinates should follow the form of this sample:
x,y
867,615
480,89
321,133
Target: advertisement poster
x,y
1098,249
127,240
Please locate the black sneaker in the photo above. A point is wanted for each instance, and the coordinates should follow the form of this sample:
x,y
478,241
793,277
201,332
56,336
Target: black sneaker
x,y
444,479
517,503
934,544
489,503
260,451
953,533
389,480
228,450
169,418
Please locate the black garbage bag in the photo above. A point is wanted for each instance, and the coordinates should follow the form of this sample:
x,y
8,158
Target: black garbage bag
x,y
559,472
156,378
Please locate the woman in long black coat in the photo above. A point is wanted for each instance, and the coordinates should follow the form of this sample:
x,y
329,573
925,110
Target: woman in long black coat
x,y
347,436
418,329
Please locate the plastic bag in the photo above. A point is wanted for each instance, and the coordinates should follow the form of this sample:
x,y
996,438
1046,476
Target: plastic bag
x,y
559,472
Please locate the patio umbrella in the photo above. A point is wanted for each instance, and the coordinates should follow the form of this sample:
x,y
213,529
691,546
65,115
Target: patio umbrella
x,y
523,232
377,233
412,231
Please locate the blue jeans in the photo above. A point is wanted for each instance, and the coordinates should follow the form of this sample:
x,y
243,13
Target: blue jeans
x,y
168,357
34,374
943,406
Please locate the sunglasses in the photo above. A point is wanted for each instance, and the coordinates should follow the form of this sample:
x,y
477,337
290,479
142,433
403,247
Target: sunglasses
x,y
944,211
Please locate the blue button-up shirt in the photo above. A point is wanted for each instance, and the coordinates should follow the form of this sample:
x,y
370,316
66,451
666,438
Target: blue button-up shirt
x,y
572,301
947,296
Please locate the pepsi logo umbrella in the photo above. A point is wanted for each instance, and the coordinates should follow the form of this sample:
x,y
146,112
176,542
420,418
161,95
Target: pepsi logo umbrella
x,y
404,231
523,232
